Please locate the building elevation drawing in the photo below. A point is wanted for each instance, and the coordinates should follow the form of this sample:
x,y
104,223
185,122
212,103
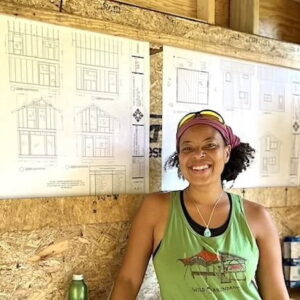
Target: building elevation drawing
x,y
33,54
76,108
259,101
37,125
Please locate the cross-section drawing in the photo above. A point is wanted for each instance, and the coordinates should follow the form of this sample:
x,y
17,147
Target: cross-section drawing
x,y
272,83
33,54
270,154
97,63
37,128
96,128
107,180
237,84
192,86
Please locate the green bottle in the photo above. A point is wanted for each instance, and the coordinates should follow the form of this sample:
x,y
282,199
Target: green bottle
x,y
78,288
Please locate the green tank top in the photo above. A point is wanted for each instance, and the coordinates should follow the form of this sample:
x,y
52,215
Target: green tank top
x,y
191,266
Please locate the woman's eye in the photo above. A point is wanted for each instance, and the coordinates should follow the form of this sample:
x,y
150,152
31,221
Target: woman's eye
x,y
186,149
211,146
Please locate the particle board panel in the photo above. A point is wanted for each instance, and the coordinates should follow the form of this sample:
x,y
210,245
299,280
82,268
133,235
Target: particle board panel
x,y
39,264
293,197
286,220
50,5
268,197
34,213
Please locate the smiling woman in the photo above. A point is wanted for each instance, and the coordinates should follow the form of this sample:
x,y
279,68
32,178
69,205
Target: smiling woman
x,y
205,242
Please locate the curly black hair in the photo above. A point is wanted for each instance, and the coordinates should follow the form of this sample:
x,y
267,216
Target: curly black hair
x,y
240,159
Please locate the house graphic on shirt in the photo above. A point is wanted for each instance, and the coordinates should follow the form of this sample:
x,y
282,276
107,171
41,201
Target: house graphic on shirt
x,y
225,266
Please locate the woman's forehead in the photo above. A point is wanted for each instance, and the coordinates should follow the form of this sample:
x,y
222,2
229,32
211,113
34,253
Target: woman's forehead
x,y
200,132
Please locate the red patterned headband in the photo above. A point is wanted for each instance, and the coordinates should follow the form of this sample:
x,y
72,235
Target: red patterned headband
x,y
226,131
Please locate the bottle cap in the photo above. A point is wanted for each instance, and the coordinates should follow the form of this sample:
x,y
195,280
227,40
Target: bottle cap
x,y
77,277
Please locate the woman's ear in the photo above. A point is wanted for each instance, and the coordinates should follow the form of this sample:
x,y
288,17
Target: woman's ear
x,y
227,153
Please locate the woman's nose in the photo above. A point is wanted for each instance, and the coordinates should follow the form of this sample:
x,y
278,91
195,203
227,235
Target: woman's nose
x,y
200,153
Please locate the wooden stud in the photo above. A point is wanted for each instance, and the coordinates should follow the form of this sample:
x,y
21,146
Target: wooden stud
x,y
206,10
244,15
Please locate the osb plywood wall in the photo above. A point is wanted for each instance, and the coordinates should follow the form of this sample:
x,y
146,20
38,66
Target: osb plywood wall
x,y
43,241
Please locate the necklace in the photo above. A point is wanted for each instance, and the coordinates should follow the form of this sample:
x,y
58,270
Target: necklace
x,y
207,232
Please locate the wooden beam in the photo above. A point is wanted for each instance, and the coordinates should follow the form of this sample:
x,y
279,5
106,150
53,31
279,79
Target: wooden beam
x,y
244,15
175,7
206,10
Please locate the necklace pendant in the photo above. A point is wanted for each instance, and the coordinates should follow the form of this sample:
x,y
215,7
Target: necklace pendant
x,y
207,232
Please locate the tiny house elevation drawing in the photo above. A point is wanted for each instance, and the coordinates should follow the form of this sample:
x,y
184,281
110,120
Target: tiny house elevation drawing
x,y
272,84
96,132
37,128
237,84
33,55
97,64
270,154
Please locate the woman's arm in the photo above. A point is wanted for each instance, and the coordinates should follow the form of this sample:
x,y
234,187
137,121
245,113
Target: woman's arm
x,y
270,278
139,249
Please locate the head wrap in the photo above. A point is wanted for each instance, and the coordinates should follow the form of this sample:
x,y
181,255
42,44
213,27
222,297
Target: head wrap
x,y
229,137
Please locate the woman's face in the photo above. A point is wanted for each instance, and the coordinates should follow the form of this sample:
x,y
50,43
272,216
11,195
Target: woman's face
x,y
202,155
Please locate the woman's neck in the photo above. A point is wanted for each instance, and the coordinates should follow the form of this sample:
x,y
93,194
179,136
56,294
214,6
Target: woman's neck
x,y
204,195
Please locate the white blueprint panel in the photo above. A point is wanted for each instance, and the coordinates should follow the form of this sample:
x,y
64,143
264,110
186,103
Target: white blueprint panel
x,y
260,102
74,108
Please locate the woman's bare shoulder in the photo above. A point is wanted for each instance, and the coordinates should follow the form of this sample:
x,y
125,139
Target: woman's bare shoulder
x,y
157,197
156,200
155,204
255,209
253,206
258,217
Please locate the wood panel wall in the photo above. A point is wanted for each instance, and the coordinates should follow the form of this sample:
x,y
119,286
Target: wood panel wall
x,y
44,240
280,19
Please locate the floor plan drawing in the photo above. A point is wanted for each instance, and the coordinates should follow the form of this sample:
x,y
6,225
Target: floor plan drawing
x,y
97,63
97,129
33,54
192,86
237,84
107,180
260,102
75,105
37,125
